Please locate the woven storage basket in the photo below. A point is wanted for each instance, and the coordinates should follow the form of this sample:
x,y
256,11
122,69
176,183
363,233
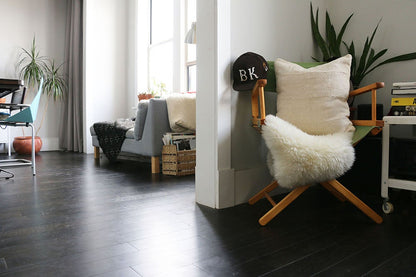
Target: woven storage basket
x,y
176,162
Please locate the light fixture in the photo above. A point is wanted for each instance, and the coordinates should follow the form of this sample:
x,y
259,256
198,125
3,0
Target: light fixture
x,y
191,35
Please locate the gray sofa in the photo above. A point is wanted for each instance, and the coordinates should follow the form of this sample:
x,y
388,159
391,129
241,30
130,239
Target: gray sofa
x,y
145,138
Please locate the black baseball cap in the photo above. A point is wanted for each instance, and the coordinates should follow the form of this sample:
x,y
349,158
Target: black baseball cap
x,y
247,69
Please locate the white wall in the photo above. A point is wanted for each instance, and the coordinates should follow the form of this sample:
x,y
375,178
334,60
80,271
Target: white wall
x,y
396,33
20,20
106,63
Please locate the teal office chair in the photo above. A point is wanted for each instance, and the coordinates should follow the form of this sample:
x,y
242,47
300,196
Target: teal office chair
x,y
25,118
18,97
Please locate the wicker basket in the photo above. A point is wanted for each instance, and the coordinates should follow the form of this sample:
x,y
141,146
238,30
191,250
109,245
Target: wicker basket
x,y
176,162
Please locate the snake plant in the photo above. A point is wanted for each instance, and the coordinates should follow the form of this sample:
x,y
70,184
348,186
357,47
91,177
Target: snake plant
x,y
331,45
362,64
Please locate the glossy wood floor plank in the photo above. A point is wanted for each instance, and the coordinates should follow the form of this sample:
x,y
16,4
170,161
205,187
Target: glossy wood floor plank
x,y
80,218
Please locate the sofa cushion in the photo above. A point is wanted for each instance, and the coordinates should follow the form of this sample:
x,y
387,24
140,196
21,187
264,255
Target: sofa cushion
x,y
314,99
140,119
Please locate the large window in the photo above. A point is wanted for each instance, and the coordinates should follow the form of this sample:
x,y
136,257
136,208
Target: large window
x,y
190,48
160,53
171,62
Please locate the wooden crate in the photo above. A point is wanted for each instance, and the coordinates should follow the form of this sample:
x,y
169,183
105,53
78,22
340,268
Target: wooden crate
x,y
176,162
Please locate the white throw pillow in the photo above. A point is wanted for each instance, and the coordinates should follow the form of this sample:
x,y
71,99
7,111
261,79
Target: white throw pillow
x,y
182,112
314,99
297,158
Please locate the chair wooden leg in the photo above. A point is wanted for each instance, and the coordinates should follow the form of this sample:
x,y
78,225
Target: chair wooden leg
x,y
282,204
334,191
263,192
155,164
96,152
356,201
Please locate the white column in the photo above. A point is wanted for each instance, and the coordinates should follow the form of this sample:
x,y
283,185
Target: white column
x,y
214,175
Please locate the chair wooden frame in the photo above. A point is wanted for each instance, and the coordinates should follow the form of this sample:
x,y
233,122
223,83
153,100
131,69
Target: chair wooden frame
x,y
333,186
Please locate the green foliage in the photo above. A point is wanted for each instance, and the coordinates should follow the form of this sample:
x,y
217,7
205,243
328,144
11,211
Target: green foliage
x,y
157,88
55,83
331,45
362,66
33,67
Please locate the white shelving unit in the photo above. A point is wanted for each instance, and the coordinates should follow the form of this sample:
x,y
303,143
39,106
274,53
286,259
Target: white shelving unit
x,y
387,182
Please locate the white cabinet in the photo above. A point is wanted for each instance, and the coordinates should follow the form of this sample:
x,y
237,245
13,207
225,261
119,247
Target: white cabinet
x,y
386,181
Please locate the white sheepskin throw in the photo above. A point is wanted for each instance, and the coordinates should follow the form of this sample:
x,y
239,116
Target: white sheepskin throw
x,y
182,111
297,158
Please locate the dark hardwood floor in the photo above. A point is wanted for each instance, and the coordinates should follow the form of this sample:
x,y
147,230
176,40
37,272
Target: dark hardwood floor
x,y
77,218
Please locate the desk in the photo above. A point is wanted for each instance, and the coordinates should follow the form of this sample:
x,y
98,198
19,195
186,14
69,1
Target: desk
x,y
8,86
386,181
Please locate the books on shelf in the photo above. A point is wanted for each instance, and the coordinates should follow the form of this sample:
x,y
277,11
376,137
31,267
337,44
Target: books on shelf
x,y
403,101
404,84
183,141
403,88
403,106
403,91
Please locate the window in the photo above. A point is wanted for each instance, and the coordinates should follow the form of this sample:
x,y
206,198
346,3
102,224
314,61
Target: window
x,y
160,51
171,63
190,48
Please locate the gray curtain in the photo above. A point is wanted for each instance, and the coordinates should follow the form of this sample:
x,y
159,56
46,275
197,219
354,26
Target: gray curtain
x,y
71,127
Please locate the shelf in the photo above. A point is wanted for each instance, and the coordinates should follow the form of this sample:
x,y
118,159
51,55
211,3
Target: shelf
x,y
387,182
401,184
399,119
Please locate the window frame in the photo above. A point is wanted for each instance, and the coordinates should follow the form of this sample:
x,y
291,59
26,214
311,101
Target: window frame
x,y
180,63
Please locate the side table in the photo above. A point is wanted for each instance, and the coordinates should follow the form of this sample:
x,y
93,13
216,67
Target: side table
x,y
386,181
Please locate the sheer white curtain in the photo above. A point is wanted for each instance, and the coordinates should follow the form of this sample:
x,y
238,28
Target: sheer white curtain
x,y
71,127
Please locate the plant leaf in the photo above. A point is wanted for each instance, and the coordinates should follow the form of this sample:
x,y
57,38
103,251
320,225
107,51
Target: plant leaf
x,y
351,51
400,58
317,35
361,68
330,34
315,59
341,32
376,57
333,49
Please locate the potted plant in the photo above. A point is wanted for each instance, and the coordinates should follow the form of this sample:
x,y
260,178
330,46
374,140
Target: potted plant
x,y
363,65
331,45
144,96
360,65
157,89
32,68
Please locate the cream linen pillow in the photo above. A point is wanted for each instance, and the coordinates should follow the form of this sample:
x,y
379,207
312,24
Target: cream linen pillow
x,y
182,112
314,99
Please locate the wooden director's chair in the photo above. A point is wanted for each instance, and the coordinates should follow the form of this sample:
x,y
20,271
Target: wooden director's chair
x,y
363,127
